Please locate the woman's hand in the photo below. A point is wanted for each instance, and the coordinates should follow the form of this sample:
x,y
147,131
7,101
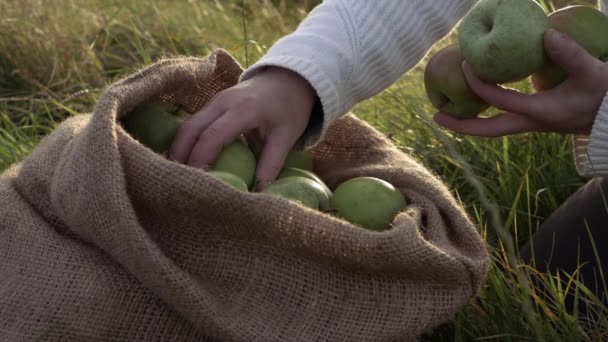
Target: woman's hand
x,y
272,109
570,107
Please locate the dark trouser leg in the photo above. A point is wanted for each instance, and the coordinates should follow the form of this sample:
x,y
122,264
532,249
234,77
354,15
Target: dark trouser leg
x,y
562,242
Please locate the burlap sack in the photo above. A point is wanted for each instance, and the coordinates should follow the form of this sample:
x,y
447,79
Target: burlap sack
x,y
102,239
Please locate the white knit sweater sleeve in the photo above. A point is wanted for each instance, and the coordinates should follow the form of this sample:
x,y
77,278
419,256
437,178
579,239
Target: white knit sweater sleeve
x,y
591,152
351,50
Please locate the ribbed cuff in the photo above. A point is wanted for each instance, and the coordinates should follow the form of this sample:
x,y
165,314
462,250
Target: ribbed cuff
x,y
591,152
324,111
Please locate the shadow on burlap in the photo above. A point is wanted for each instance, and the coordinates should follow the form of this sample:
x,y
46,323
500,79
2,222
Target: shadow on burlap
x,y
102,239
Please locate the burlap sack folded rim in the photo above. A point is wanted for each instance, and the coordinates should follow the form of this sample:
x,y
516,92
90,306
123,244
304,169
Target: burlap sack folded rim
x,y
445,263
364,257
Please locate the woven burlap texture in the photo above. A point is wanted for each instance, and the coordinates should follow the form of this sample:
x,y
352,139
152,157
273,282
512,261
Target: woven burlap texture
x,y
101,239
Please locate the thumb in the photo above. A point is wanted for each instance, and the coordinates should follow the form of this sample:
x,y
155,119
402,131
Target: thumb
x,y
568,54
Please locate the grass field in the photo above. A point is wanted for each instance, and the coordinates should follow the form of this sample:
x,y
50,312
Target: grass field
x,y
57,56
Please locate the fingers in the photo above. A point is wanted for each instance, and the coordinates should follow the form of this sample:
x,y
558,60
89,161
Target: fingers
x,y
273,156
223,131
574,59
189,131
505,99
255,142
496,126
535,112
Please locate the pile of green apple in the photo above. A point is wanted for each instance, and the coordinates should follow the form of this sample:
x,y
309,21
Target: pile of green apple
x,y
368,202
502,41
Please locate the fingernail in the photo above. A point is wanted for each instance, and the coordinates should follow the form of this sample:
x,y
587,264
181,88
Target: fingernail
x,y
554,36
464,65
260,184
555,39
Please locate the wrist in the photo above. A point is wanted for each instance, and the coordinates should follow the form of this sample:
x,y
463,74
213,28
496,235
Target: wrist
x,y
292,83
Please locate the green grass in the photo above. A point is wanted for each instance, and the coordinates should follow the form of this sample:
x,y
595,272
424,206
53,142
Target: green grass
x,y
57,56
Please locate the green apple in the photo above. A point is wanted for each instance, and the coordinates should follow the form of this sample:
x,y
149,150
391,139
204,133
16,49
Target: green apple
x,y
230,179
369,202
301,189
300,159
238,159
502,40
295,172
585,25
180,113
153,125
447,87
164,106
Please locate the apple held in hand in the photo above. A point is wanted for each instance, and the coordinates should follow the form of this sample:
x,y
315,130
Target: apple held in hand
x,y
447,87
585,25
502,40
236,158
369,202
230,179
